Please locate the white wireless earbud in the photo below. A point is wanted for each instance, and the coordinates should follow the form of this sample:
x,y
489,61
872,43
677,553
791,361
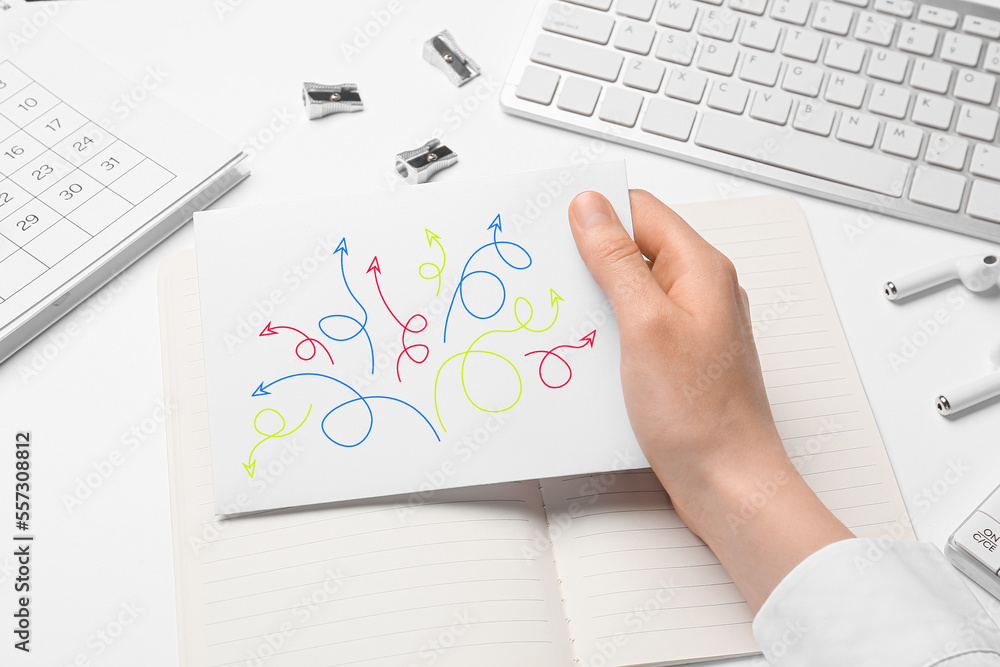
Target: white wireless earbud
x,y
975,392
977,272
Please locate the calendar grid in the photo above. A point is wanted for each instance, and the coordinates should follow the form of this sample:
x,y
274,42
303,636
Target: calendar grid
x,y
64,179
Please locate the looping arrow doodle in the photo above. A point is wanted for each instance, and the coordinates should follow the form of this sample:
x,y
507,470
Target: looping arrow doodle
x,y
505,256
466,274
584,342
362,325
433,238
262,390
314,345
407,328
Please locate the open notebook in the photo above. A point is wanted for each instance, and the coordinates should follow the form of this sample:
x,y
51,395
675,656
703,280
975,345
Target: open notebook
x,y
596,569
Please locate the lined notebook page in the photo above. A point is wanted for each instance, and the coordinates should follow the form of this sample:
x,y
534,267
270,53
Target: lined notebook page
x,y
630,569
455,580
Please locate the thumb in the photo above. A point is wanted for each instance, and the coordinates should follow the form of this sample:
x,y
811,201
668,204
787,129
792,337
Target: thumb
x,y
609,252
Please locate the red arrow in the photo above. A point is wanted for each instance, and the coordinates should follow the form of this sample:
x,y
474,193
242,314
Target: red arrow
x,y
378,271
587,340
306,338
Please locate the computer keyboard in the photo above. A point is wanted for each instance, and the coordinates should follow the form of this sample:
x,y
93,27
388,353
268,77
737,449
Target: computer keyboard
x,y
888,105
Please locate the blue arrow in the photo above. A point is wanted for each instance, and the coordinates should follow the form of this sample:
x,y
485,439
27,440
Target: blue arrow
x,y
342,250
261,390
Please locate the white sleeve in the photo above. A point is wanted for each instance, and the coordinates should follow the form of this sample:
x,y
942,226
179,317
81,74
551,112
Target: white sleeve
x,y
865,602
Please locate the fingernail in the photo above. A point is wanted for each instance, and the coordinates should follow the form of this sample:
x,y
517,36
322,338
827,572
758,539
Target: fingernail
x,y
589,209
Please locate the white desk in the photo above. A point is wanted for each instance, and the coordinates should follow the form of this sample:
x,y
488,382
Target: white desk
x,y
90,389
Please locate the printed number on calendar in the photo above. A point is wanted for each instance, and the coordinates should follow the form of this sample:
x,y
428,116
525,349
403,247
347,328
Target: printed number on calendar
x,y
27,222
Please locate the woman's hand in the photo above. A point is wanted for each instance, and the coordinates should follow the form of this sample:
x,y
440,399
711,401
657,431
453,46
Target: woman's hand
x,y
694,391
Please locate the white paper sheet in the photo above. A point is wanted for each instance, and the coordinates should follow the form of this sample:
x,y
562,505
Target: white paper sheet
x,y
305,329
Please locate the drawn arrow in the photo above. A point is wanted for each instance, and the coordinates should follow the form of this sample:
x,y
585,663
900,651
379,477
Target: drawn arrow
x,y
251,463
342,251
433,238
271,330
375,269
497,227
586,341
262,390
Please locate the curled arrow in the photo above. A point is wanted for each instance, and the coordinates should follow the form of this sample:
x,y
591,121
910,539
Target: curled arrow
x,y
584,342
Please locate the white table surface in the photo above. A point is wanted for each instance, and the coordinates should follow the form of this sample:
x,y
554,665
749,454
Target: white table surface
x,y
237,66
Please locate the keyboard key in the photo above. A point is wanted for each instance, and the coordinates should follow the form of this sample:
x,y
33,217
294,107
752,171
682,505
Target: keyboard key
x,y
771,106
977,122
931,76
946,18
903,8
636,9
686,85
669,119
802,44
974,86
986,161
937,188
946,150
933,111
718,57
844,55
917,38
748,6
855,3
678,14
791,11
760,68
577,57
728,96
620,106
902,140
846,90
815,118
887,65
961,49
579,96
644,75
889,101
803,79
875,29
718,23
712,2
992,61
984,201
537,85
975,25
677,47
635,37
603,5
806,154
856,128
764,35
832,18
579,23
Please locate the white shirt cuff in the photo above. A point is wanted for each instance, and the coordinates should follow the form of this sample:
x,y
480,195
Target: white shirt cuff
x,y
863,602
